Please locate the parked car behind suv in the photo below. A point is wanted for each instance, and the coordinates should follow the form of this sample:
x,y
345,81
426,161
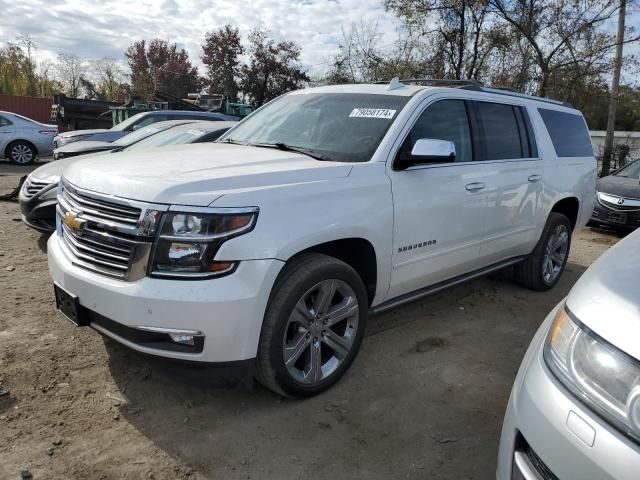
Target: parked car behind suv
x,y
135,122
37,196
574,410
618,199
23,139
270,247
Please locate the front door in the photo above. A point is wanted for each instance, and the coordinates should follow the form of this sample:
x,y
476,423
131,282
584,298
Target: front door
x,y
439,208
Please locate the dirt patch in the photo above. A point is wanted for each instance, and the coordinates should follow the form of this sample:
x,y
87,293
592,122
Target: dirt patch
x,y
83,407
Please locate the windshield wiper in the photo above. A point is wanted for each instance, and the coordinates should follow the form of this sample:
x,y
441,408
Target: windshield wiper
x,y
234,142
289,148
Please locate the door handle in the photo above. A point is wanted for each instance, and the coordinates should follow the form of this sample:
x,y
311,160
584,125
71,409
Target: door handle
x,y
474,187
535,178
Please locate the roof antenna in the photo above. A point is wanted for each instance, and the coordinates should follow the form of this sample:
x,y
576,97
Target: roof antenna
x,y
395,83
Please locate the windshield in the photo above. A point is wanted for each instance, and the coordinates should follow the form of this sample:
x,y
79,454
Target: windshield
x,y
186,133
343,127
630,171
141,134
127,123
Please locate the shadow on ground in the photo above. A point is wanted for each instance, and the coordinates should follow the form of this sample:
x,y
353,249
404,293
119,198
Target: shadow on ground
x,y
424,399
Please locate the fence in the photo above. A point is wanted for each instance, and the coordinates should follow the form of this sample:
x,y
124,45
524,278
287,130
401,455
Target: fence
x,y
35,108
626,147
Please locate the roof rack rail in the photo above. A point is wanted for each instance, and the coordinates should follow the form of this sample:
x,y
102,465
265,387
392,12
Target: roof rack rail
x,y
437,82
467,85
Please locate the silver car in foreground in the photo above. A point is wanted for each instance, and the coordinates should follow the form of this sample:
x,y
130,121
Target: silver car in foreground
x,y
574,411
23,139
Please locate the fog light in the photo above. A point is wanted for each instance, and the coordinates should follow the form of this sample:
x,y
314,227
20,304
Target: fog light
x,y
182,339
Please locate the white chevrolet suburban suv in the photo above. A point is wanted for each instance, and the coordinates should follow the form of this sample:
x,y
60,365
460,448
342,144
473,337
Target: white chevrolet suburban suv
x,y
272,247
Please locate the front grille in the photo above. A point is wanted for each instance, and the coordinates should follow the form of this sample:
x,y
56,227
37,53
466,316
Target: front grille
x,y
611,202
101,211
33,187
107,240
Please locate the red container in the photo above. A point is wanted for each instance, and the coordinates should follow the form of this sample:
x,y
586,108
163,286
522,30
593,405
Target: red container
x,y
35,108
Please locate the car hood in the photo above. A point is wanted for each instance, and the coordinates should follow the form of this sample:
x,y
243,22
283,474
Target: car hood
x,y
51,171
75,133
198,174
619,186
85,146
606,298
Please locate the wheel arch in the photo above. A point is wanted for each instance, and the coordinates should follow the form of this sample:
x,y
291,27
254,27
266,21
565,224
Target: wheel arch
x,y
15,140
569,207
357,252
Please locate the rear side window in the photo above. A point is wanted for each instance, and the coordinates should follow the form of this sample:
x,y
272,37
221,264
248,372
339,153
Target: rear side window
x,y
4,122
568,133
502,131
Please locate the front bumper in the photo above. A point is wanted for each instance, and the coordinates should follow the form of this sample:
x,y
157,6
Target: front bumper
x,y
545,422
228,311
602,216
38,213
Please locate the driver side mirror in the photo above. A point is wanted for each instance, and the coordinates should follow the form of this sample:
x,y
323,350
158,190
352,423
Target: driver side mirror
x,y
136,127
428,150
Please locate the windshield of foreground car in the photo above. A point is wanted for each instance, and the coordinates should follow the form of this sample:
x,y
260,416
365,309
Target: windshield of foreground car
x,y
630,171
182,134
141,134
343,127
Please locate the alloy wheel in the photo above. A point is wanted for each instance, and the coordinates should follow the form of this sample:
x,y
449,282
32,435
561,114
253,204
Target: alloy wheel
x,y
555,253
320,331
21,154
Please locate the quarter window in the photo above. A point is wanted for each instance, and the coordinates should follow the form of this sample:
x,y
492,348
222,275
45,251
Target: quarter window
x,y
501,131
4,122
443,120
568,133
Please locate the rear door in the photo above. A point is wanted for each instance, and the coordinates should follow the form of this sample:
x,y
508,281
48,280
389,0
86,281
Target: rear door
x,y
439,208
7,133
514,180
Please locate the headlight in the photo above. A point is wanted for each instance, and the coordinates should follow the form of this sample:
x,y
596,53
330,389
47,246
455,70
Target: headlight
x,y
604,377
66,140
188,242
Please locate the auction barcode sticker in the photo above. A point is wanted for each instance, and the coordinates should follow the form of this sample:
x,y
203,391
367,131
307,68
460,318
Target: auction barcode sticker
x,y
372,113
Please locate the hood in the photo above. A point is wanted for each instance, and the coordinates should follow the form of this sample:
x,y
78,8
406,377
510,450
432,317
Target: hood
x,y
607,298
75,133
51,171
198,174
619,186
85,146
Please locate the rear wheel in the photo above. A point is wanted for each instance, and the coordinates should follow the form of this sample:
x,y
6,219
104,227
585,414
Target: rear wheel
x,y
542,269
21,153
313,327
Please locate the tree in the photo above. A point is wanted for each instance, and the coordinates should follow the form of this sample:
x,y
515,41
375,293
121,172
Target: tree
x,y
563,36
29,47
109,78
70,70
453,29
273,68
160,65
221,55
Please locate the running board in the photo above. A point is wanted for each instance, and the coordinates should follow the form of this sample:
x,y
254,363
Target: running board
x,y
438,287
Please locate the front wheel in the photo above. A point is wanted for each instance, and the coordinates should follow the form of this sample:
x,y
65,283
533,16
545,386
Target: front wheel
x,y
542,269
313,327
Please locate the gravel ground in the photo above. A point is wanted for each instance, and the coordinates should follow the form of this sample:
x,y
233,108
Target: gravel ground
x,y
423,400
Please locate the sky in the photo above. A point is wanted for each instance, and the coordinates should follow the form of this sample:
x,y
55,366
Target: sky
x,y
95,29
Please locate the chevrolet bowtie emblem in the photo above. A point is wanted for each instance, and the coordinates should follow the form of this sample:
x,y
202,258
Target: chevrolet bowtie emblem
x,y
72,221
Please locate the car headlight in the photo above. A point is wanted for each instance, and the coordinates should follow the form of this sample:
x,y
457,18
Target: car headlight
x,y
189,241
601,375
67,140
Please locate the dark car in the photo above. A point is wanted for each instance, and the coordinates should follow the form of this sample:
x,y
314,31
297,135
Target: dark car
x,y
135,122
38,195
618,199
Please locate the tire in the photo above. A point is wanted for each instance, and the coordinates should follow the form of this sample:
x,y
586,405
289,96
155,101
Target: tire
x,y
21,153
292,338
535,272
